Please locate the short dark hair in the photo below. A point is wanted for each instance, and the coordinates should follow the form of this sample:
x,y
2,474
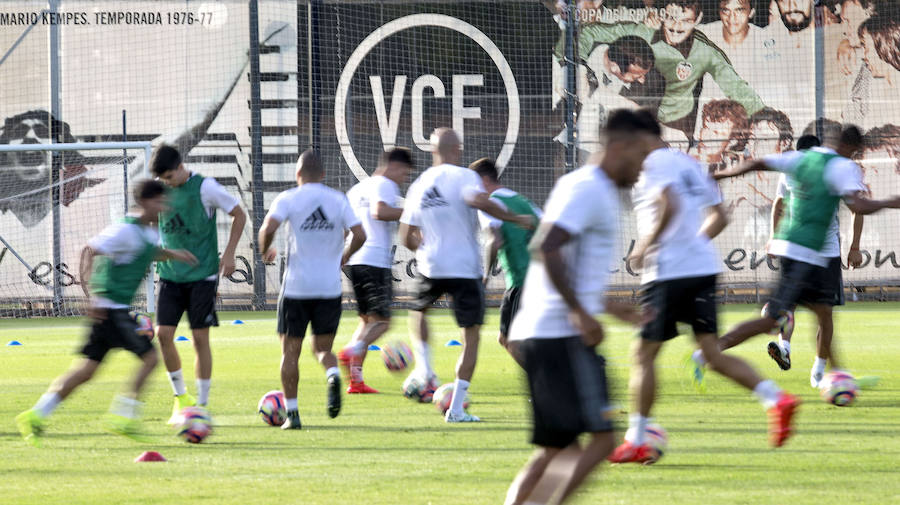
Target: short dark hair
x,y
826,125
147,188
693,5
807,142
626,121
851,136
164,159
885,32
631,50
779,119
396,154
485,167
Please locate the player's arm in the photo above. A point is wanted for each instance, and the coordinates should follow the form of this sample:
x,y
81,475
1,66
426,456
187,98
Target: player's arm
x,y
410,236
716,221
182,255
854,257
267,236
777,213
859,204
356,241
86,267
733,86
667,206
482,201
490,254
384,212
238,220
741,169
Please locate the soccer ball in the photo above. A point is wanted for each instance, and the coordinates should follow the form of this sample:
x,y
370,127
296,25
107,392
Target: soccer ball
x,y
785,324
655,436
144,324
195,425
418,389
272,408
839,388
444,395
396,355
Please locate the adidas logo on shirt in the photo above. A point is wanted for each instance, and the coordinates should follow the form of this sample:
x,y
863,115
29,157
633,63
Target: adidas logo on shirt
x,y
317,221
433,198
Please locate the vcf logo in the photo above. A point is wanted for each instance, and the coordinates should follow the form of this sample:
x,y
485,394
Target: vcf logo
x,y
388,116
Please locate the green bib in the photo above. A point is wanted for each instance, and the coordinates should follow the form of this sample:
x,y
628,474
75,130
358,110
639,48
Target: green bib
x,y
186,225
119,282
811,205
514,255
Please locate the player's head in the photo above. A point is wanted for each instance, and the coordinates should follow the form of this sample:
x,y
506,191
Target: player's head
x,y
309,167
396,164
680,19
846,139
853,14
808,142
167,166
770,133
150,195
881,148
723,127
795,14
487,170
736,15
880,38
446,146
628,136
630,58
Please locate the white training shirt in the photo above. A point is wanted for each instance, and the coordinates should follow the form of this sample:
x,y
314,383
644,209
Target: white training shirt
x,y
842,176
585,203
682,250
121,242
364,198
488,221
832,247
436,203
318,217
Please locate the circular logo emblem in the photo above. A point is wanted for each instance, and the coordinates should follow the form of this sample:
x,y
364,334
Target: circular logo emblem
x,y
683,70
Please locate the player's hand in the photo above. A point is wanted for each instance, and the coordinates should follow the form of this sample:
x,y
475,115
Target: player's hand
x,y
183,255
854,258
846,57
227,265
636,258
589,328
502,340
268,257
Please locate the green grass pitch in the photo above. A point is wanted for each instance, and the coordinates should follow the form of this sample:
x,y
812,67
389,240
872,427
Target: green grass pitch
x,y
385,449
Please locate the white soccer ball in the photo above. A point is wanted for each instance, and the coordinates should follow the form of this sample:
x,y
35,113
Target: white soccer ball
x,y
272,408
839,388
195,425
654,435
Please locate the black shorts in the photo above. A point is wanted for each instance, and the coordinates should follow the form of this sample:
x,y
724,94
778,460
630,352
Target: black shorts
x,y
466,298
689,300
569,392
117,330
373,289
509,307
805,284
198,298
833,282
294,315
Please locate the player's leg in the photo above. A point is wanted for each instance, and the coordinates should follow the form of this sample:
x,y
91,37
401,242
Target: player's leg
x,y
325,318
509,307
170,306
597,449
374,296
202,315
824,348
292,322
467,299
525,482
427,291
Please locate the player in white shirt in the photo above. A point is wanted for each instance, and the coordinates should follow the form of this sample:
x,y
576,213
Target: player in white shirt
x,y
679,211
440,223
311,289
827,176
376,201
831,286
556,331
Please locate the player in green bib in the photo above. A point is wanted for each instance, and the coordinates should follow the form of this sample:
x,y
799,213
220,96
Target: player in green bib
x,y
190,223
821,177
124,251
509,243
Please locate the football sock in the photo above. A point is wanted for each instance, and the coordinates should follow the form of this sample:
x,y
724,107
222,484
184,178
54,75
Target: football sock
x,y
767,392
332,371
698,358
203,391
356,375
47,403
358,347
818,366
177,381
460,391
125,406
291,403
639,424
423,358
785,345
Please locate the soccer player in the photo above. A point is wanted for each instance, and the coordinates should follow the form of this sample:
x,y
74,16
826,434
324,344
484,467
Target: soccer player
x,y
679,211
556,330
440,224
125,251
830,286
311,290
376,203
508,245
821,178
190,223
